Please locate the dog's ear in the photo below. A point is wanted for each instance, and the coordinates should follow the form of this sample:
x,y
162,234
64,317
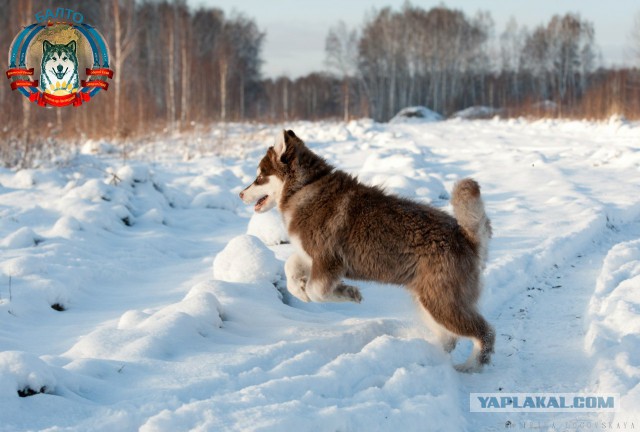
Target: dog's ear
x,y
46,45
280,145
284,146
72,46
288,135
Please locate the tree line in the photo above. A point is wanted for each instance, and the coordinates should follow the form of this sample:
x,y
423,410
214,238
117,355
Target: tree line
x,y
177,66
448,61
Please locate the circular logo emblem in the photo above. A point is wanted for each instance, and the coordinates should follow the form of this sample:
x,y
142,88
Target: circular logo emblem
x,y
59,60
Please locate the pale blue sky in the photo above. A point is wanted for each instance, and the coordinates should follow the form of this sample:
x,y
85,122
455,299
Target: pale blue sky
x,y
296,30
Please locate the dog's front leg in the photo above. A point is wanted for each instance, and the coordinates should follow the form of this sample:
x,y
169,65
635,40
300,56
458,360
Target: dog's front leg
x,y
325,285
298,271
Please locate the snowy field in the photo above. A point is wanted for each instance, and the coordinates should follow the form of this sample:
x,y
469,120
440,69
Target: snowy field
x,y
132,298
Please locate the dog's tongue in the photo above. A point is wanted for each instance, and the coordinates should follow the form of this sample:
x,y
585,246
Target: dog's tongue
x,y
260,202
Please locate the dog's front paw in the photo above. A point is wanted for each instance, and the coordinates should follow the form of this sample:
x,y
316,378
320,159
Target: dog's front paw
x,y
449,343
348,293
297,288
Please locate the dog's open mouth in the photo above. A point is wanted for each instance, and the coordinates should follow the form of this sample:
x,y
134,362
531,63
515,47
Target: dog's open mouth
x,y
260,203
60,75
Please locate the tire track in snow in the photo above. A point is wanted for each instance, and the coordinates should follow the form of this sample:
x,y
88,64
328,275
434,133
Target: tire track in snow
x,y
551,237
541,330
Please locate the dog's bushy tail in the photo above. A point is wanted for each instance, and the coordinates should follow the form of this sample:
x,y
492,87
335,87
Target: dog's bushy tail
x,y
468,209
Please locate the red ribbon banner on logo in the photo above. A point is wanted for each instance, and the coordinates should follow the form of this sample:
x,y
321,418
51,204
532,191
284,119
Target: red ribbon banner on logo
x,y
19,71
100,72
81,97
23,83
96,83
44,99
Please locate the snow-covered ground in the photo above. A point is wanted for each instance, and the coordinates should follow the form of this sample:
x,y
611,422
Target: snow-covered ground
x,y
132,297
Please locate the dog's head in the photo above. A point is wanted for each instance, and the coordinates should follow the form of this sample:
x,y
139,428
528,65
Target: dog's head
x,y
59,60
266,189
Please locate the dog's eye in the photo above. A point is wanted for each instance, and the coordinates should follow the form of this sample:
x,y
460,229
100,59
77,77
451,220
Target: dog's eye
x,y
64,58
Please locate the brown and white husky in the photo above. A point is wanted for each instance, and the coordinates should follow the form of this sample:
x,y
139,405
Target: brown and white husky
x,y
343,228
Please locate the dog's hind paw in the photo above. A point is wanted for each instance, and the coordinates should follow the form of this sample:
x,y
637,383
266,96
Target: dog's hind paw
x,y
468,367
348,293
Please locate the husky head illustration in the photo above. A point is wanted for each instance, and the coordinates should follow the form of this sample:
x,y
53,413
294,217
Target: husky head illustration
x,y
59,72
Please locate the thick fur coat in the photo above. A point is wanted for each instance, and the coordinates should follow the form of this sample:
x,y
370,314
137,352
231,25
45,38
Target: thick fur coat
x,y
343,228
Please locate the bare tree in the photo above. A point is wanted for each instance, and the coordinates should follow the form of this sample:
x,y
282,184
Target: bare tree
x,y
170,74
124,34
511,46
25,17
182,21
634,40
243,42
341,49
421,57
208,25
223,64
511,42
559,56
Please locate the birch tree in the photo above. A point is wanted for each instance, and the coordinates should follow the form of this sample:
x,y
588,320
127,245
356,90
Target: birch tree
x,y
341,51
420,57
124,35
634,40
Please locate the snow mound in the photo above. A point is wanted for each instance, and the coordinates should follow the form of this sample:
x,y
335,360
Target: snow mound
x,y
613,335
617,121
98,147
199,305
617,299
24,374
138,173
216,198
268,227
416,114
24,179
476,112
198,313
160,334
400,172
246,259
545,106
22,238
66,227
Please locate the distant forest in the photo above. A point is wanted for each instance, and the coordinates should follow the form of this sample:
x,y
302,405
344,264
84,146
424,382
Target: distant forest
x,y
177,66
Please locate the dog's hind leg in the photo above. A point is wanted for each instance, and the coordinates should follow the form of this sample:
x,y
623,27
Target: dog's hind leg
x,y
447,339
298,271
325,285
464,320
